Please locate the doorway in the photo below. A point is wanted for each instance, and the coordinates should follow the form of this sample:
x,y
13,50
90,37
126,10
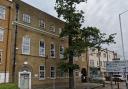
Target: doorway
x,y
25,80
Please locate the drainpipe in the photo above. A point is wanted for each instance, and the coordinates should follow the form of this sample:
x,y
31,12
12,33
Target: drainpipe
x,y
15,41
8,28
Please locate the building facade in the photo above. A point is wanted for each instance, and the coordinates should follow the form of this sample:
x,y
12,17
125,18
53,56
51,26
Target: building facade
x,y
30,46
98,60
31,49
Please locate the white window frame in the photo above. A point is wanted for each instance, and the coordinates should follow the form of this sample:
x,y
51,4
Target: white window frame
x,y
1,34
54,50
42,24
60,30
23,45
53,71
40,48
52,28
2,13
61,51
26,18
1,55
41,71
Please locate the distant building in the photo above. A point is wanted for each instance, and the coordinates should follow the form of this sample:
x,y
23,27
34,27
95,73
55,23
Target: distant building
x,y
98,60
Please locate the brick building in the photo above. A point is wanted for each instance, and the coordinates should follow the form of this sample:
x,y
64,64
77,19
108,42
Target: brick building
x,y
30,47
35,36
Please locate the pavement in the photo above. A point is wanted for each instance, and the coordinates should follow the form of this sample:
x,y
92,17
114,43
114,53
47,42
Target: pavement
x,y
92,86
97,86
81,86
120,85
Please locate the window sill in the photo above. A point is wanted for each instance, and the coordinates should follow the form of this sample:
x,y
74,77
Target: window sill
x,y
41,79
53,57
53,78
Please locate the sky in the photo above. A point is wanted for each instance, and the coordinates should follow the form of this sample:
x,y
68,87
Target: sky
x,y
103,14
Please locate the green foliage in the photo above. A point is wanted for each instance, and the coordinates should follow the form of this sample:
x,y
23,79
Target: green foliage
x,y
8,86
94,38
65,66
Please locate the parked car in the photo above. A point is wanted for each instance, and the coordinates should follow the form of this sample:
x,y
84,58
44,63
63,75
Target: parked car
x,y
118,77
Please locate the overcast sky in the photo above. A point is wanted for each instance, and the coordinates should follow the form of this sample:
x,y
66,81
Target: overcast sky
x,y
102,14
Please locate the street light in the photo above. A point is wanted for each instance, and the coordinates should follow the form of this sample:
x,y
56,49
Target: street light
x,y
122,41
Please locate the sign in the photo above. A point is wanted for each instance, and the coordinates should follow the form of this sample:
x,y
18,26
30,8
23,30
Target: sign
x,y
117,66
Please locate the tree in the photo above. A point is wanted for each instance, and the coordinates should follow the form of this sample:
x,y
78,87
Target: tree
x,y
73,19
79,38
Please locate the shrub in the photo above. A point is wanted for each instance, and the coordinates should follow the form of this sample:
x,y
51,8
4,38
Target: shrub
x,y
8,86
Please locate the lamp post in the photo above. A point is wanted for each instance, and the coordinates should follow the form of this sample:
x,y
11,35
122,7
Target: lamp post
x,y
122,41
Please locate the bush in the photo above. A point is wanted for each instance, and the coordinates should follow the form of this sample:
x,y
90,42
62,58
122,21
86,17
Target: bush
x,y
8,86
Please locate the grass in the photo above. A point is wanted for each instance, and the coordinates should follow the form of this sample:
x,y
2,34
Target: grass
x,y
8,86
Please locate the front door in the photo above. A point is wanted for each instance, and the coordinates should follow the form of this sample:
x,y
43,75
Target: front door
x,y
24,81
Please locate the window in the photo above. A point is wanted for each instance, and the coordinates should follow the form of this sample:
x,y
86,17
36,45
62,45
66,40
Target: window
x,y
100,63
52,28
53,73
1,34
60,30
42,72
26,45
105,63
0,56
104,55
62,74
26,18
77,73
42,24
61,51
92,63
42,48
52,53
2,12
97,63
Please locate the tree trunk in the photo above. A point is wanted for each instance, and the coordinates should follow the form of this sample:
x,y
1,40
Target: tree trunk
x,y
71,79
71,73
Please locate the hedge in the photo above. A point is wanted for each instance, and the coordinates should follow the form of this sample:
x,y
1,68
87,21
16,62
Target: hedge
x,y
8,86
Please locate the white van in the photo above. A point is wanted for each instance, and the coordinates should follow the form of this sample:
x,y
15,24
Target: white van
x,y
118,77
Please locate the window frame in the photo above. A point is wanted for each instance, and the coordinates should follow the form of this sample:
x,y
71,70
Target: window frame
x,y
4,12
60,30
53,71
42,48
54,50
1,33
61,51
42,24
53,28
1,56
44,71
26,18
23,45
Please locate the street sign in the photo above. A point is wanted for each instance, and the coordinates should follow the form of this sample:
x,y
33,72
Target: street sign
x,y
117,66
